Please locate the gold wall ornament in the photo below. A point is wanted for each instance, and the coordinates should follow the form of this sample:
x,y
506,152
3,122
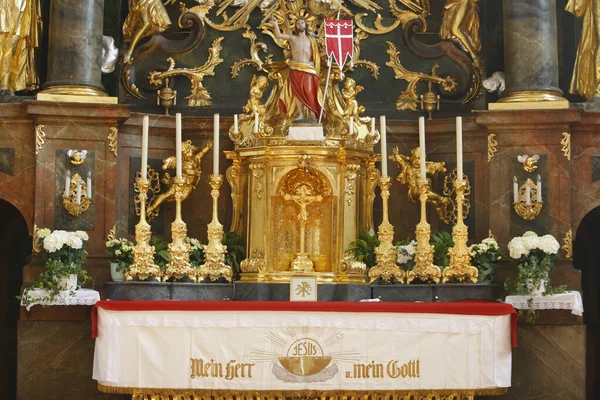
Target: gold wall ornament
x,y
179,265
21,32
237,182
566,145
191,158
373,175
350,176
460,267
460,22
430,101
386,254
143,266
153,189
424,268
258,171
214,266
113,135
77,157
529,211
408,100
529,162
567,246
112,234
145,18
410,175
36,245
77,202
165,96
492,146
449,191
39,138
199,96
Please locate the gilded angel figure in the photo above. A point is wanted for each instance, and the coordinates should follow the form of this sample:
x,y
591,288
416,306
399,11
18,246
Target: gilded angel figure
x,y
460,22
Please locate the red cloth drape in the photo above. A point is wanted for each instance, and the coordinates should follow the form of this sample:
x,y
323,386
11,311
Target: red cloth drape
x,y
305,87
466,307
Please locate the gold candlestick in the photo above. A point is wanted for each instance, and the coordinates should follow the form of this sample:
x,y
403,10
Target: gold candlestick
x,y
424,268
214,265
143,254
179,265
460,257
385,254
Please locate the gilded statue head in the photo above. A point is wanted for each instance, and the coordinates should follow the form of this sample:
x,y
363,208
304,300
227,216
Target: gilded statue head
x,y
415,157
262,82
188,149
350,83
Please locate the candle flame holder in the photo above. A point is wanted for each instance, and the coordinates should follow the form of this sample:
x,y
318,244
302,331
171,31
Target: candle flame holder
x,y
424,269
386,254
214,266
70,201
529,211
143,266
460,266
179,265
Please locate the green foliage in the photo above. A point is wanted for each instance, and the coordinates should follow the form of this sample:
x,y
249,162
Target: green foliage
x,y
161,252
442,241
364,247
196,252
236,251
485,256
120,251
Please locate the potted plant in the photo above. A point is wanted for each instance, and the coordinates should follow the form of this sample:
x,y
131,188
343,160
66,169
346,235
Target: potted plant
x,y
120,255
64,255
406,254
536,256
485,256
442,242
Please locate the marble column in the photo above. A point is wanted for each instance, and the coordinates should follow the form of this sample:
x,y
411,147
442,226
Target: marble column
x,y
75,48
530,52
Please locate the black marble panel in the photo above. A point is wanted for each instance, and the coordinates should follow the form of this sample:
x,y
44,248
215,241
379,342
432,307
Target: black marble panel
x,y
203,291
595,168
343,292
62,219
134,290
402,292
457,292
7,160
157,224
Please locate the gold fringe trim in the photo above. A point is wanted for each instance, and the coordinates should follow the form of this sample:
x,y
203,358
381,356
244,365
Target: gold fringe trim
x,y
207,394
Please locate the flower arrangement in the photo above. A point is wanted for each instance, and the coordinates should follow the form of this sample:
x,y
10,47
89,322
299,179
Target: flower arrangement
x,y
196,252
64,255
536,256
485,256
406,254
120,252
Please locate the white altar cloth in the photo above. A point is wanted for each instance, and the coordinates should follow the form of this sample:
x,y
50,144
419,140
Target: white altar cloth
x,y
565,301
80,297
245,350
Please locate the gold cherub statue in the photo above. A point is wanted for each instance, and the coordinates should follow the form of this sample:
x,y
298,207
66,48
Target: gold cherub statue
x,y
352,109
191,172
257,89
410,174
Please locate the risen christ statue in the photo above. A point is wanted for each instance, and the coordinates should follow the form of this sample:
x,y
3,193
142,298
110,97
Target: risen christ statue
x,y
301,87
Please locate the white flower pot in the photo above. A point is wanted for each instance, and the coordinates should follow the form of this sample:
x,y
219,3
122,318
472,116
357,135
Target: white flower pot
x,y
68,283
536,288
115,275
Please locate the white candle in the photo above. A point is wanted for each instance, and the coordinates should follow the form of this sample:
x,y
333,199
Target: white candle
x,y
178,145
527,195
372,126
539,189
216,147
515,190
422,146
256,123
78,198
145,122
68,184
89,185
382,131
459,149
235,123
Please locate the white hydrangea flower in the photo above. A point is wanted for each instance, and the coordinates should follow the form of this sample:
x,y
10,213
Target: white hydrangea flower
x,y
51,243
82,235
74,242
490,242
529,234
42,233
118,252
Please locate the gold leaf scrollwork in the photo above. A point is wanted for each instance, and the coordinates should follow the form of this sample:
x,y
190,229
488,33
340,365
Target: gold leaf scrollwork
x,y
153,188
566,145
258,171
417,10
112,234
449,192
199,96
409,99
568,244
39,138
255,48
236,181
350,175
36,245
113,134
492,146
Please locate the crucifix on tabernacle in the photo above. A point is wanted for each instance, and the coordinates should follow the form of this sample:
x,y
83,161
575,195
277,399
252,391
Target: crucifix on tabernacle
x,y
303,198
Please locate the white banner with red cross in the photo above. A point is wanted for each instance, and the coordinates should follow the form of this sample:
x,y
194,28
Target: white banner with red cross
x,y
339,40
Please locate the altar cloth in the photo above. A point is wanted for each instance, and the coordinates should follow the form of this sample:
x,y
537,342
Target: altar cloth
x,y
275,346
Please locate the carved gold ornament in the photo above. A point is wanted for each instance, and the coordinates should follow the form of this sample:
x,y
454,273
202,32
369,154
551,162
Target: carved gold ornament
x,y
153,188
529,162
529,211
76,202
258,171
112,234
113,134
36,245
566,145
492,146
39,138
237,182
449,191
350,176
199,96
568,244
